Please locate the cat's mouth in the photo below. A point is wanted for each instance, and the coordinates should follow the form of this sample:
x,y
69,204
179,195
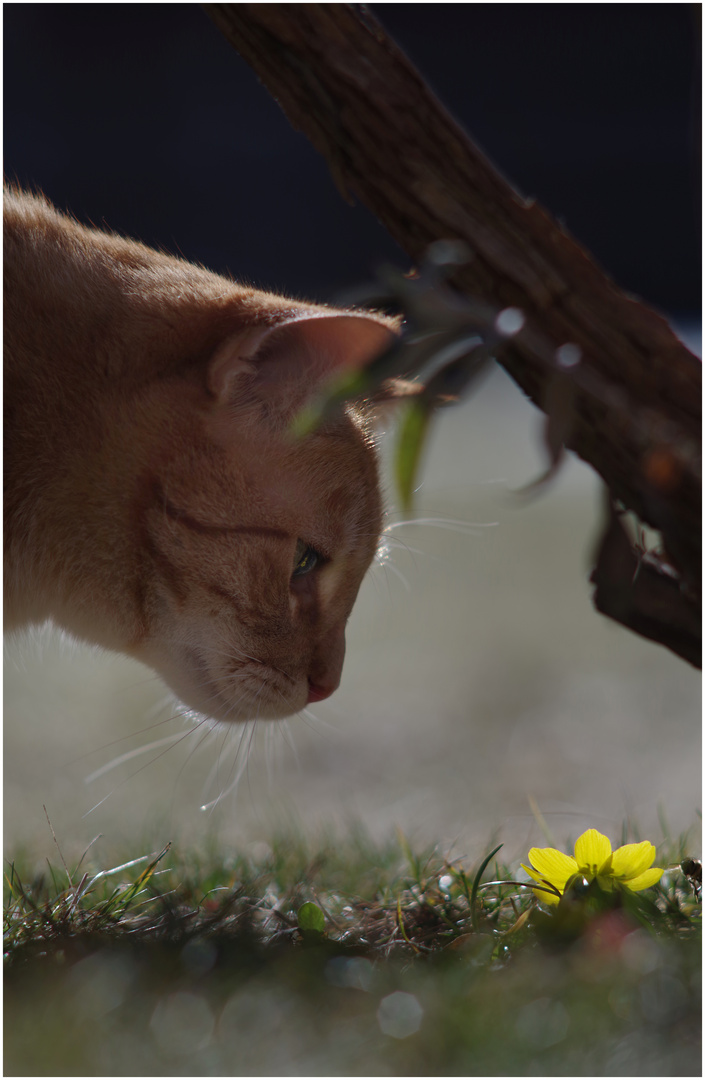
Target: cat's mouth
x,y
252,691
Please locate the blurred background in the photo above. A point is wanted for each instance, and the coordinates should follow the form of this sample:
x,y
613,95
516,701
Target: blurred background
x,y
479,682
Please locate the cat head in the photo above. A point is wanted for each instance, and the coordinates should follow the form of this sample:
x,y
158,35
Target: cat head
x,y
253,542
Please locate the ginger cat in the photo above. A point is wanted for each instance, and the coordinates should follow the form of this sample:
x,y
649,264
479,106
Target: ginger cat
x,y
155,500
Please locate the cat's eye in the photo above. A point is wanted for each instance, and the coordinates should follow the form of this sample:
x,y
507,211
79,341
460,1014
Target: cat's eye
x,y
306,559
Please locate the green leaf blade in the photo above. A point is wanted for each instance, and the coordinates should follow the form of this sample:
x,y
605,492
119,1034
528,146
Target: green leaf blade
x,y
410,443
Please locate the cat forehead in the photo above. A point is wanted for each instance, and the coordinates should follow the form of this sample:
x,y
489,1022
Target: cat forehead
x,y
254,438
328,479
228,463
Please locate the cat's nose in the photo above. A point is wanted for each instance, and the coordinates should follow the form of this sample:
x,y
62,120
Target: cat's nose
x,y
316,692
326,666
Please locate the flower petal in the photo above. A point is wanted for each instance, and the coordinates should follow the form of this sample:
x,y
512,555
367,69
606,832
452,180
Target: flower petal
x,y
553,865
532,873
632,859
544,894
541,879
645,880
592,851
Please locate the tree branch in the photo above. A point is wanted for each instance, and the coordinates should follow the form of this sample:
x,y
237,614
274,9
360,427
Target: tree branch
x,y
388,141
641,591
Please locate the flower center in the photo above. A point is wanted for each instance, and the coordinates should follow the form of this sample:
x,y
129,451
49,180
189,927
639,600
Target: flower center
x,y
592,870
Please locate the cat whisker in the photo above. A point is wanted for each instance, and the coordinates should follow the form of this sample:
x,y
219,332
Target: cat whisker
x,y
317,724
373,577
245,741
389,543
133,684
249,752
116,762
468,527
243,765
268,751
163,702
396,543
131,735
248,728
212,779
98,804
209,731
286,733
217,696
229,730
314,722
143,767
395,570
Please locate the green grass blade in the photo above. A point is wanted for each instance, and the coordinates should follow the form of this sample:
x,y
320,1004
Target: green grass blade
x,y
476,885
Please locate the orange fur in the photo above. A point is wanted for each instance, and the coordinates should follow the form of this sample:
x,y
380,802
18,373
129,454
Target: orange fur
x,y
154,496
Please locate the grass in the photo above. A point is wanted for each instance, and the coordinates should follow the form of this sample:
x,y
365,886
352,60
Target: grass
x,y
344,958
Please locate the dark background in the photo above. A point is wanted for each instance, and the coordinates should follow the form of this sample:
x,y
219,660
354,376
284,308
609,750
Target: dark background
x,y
142,116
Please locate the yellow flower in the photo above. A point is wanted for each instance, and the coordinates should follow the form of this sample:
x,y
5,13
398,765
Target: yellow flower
x,y
629,866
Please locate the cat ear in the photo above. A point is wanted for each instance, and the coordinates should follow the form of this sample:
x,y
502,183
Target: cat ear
x,y
233,359
290,360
